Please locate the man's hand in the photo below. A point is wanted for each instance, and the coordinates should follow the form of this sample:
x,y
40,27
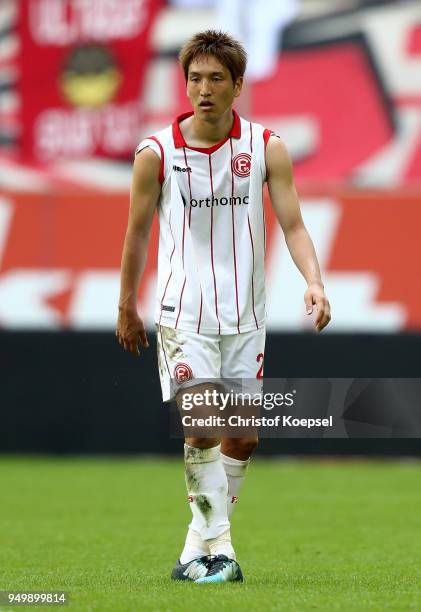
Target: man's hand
x,y
284,198
130,330
315,296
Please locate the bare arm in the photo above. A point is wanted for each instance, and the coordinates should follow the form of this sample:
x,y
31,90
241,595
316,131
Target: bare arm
x,y
285,203
144,196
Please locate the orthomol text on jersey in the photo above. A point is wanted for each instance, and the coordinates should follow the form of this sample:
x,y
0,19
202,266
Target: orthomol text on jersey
x,y
213,201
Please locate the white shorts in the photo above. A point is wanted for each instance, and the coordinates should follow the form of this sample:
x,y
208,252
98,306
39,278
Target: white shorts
x,y
184,357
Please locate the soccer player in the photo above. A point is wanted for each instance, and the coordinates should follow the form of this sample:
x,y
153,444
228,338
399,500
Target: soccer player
x,y
204,175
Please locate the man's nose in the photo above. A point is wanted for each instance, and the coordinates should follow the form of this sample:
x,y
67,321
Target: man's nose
x,y
205,89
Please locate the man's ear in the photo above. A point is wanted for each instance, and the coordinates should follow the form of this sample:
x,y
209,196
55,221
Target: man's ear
x,y
238,86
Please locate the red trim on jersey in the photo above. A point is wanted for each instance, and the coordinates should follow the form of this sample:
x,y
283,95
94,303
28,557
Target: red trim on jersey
x,y
252,275
165,290
200,314
179,141
188,177
182,258
181,298
161,166
266,135
211,241
190,192
184,233
233,242
251,137
264,225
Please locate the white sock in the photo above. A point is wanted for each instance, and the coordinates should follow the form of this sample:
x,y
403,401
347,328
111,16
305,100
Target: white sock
x,y
222,545
207,488
235,470
194,548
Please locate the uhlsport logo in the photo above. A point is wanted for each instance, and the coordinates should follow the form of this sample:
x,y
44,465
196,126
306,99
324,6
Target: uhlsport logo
x,y
182,372
241,164
181,169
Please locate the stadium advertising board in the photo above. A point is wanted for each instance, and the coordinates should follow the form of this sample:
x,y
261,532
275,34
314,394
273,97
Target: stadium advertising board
x,y
60,256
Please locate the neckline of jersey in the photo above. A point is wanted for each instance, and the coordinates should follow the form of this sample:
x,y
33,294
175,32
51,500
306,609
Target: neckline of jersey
x,y
179,140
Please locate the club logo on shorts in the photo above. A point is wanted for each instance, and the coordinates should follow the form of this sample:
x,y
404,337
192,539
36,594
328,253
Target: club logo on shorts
x,y
241,164
234,499
182,372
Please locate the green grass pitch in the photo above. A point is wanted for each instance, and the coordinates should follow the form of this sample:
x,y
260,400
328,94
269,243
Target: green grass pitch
x,y
309,535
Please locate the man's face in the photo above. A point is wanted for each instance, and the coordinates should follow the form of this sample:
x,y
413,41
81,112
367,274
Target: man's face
x,y
210,88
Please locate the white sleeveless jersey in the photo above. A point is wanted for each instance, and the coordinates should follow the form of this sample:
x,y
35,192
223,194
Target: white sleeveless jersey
x,y
212,230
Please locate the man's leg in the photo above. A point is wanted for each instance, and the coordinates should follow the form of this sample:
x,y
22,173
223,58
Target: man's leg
x,y
207,486
241,366
207,490
242,370
206,480
235,460
223,566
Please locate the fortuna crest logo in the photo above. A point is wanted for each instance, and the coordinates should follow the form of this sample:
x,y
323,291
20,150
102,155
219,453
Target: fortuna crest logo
x,y
182,372
241,164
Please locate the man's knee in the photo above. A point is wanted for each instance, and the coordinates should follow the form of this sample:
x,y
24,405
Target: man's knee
x,y
239,448
202,442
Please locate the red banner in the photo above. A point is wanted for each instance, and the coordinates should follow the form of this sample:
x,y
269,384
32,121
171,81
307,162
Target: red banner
x,y
60,257
83,64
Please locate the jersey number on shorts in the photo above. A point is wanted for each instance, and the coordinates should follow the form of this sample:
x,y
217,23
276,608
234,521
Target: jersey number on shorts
x,y
259,359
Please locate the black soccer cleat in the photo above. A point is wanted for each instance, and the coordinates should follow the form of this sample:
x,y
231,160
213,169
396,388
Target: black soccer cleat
x,y
192,570
222,569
